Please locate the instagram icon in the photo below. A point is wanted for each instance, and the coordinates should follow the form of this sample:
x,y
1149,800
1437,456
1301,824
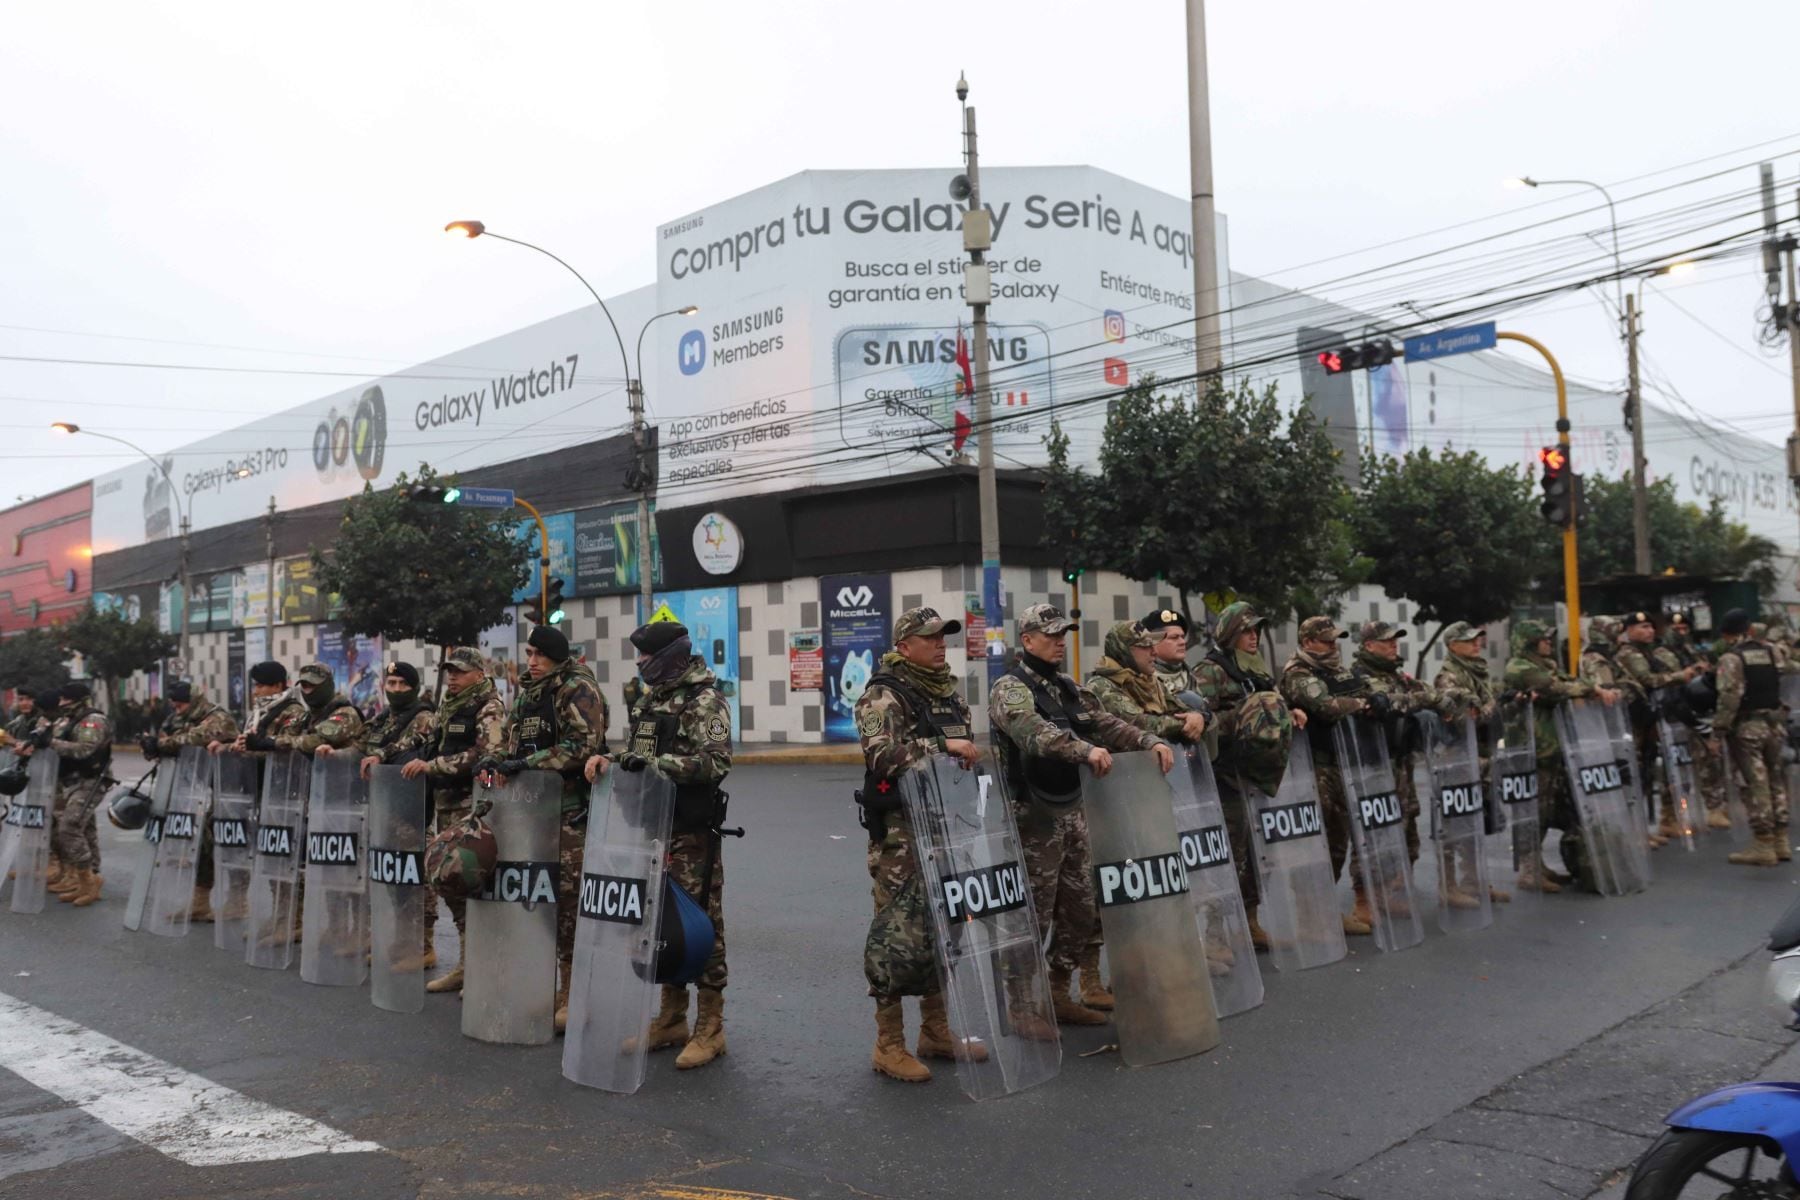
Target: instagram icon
x,y
1112,322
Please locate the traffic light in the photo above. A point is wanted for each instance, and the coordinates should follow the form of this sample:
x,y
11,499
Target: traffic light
x,y
1357,358
1558,504
1072,574
433,493
555,612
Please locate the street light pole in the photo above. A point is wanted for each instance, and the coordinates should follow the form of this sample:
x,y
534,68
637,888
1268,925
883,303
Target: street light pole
x,y
634,395
1634,404
186,533
1209,344
645,482
977,285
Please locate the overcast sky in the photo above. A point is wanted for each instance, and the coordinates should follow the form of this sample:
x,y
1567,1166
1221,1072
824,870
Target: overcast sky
x,y
252,185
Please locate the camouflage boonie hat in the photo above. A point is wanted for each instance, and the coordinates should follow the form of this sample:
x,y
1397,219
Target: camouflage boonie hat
x,y
923,622
465,658
1461,631
1133,633
1236,618
459,860
1529,631
1044,618
1379,631
315,673
1320,628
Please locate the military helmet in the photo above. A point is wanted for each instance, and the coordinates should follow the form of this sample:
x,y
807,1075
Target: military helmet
x,y
13,780
460,860
127,807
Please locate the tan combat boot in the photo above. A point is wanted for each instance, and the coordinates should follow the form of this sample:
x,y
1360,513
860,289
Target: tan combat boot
x,y
708,1041
1759,853
64,881
891,1057
1669,828
935,1038
1533,877
1030,1025
54,873
90,890
670,1028
424,960
74,881
447,983
1784,846
564,971
1069,1011
1361,910
201,913
1259,937
1094,992
1717,818
1355,926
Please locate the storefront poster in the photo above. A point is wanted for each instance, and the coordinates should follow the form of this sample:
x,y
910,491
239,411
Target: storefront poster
x,y
297,592
711,617
561,528
858,630
355,665
806,661
235,650
606,550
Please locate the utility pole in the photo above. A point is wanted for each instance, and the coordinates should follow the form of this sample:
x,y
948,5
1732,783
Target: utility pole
x,y
1778,262
269,607
643,482
1634,413
978,290
187,595
1209,344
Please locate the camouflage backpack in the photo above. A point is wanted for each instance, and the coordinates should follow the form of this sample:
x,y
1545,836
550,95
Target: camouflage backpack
x,y
459,861
1261,739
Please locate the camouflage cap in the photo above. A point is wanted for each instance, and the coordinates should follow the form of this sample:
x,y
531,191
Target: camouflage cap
x,y
1133,633
1379,631
315,673
464,658
1234,619
1320,629
923,622
1528,631
1044,618
1603,628
1461,631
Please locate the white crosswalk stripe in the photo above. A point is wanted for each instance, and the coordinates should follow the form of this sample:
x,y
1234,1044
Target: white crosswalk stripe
x,y
183,1115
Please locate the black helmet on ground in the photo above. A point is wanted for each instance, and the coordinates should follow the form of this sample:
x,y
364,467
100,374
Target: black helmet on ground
x,y
127,807
13,780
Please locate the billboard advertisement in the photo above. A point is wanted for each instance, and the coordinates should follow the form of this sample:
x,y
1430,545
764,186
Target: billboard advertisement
x,y
711,617
606,550
858,629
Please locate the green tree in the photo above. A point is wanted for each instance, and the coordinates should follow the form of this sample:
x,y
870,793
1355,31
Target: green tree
x,y
1226,494
438,572
34,659
1458,538
112,647
1686,537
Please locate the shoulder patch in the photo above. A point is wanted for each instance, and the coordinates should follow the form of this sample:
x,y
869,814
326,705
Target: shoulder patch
x,y
869,723
718,729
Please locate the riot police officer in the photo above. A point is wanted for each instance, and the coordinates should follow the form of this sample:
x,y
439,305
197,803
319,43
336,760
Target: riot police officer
x,y
82,738
193,720
1749,718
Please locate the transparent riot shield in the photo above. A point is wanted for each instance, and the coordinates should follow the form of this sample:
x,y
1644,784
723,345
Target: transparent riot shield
x,y
143,870
334,928
1675,746
1736,807
1206,850
29,816
1513,787
1457,799
509,963
984,926
612,989
1790,756
234,833
1163,997
275,874
1299,908
395,867
178,852
1617,855
1638,790
9,833
1378,832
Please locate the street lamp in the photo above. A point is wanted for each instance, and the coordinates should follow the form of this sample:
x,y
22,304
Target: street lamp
x,y
1618,270
69,427
633,390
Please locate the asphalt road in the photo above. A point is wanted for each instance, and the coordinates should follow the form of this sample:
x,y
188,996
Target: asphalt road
x,y
1533,1058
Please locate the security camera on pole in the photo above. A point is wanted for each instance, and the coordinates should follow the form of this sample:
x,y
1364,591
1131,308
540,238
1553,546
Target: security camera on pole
x,y
978,291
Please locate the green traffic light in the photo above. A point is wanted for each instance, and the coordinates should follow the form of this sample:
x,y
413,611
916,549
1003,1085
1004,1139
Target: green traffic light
x,y
556,617
452,495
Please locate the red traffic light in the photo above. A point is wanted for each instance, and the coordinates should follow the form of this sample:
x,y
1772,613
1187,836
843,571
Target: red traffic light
x,y
1553,458
1332,361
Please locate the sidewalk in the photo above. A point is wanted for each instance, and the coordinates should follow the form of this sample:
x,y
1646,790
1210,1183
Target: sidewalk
x,y
790,754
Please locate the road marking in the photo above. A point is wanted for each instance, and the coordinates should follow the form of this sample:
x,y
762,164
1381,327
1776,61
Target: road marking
x,y
185,1116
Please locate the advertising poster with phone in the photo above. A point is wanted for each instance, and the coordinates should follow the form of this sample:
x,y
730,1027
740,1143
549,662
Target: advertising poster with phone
x,y
355,665
711,617
858,629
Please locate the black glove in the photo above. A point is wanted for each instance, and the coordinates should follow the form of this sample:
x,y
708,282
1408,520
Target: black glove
x,y
1380,705
632,762
41,739
147,744
260,741
508,766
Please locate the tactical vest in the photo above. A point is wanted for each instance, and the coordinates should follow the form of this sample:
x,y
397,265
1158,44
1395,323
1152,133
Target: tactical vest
x,y
933,717
1249,681
337,704
651,734
397,724
536,721
1398,728
87,768
1049,781
457,731
1318,733
1762,678
280,706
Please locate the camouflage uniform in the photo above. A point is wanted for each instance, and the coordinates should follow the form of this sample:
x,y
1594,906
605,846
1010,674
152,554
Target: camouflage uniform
x,y
1135,698
1750,719
1468,694
1406,696
202,724
82,739
1709,763
1529,671
577,731
1254,731
1326,691
382,736
1650,668
1054,839
469,727
899,729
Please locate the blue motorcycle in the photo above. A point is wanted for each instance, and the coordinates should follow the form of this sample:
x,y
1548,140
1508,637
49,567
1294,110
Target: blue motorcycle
x,y
1745,1137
